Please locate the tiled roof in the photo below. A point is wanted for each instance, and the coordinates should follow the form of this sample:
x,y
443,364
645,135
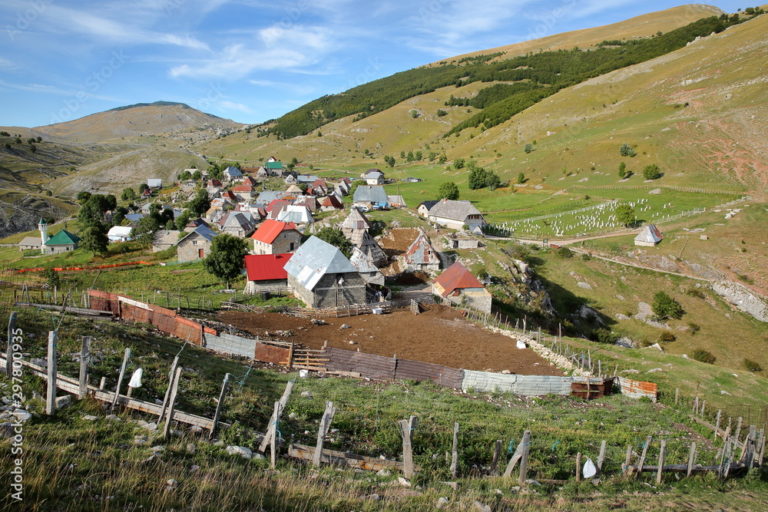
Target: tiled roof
x,y
457,277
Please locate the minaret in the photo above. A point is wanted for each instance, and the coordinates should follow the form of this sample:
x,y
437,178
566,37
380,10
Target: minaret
x,y
43,227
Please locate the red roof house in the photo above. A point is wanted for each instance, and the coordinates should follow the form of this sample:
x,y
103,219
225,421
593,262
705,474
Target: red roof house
x,y
266,273
459,286
276,237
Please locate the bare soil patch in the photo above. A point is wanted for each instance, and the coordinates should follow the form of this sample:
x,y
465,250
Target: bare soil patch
x,y
439,335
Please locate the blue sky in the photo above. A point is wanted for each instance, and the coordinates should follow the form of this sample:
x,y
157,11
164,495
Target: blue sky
x,y
250,60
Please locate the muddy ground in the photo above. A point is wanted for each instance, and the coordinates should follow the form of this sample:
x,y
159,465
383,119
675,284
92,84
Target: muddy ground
x,y
439,335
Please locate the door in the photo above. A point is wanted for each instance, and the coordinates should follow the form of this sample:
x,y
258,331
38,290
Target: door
x,y
201,253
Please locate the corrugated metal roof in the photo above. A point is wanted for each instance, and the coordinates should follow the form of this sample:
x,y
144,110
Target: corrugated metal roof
x,y
266,267
650,234
295,213
371,194
203,231
457,277
269,229
529,385
314,259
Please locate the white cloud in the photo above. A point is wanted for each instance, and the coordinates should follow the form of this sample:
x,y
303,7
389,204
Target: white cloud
x,y
6,64
231,105
271,48
55,90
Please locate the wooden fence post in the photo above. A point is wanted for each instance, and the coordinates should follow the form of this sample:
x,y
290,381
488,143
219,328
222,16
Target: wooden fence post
x,y
641,462
126,357
406,429
172,403
601,457
578,467
84,356
691,459
737,433
322,431
703,407
761,448
695,405
660,467
455,450
167,396
717,423
627,459
9,350
217,414
278,411
749,448
496,455
274,419
50,396
526,442
102,383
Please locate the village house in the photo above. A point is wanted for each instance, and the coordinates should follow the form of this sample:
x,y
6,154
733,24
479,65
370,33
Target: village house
x,y
294,189
194,223
456,214
461,241
373,177
274,167
63,241
299,215
458,286
363,241
29,243
649,236
238,224
266,197
275,237
318,188
120,233
244,192
274,208
165,239
321,276
266,273
330,203
421,256
424,207
310,202
370,197
232,174
353,222
196,245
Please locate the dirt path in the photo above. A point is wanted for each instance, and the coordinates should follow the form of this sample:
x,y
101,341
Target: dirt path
x,y
439,335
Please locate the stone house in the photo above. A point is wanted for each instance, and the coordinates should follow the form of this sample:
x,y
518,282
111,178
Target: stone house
x,y
275,237
458,286
266,273
196,245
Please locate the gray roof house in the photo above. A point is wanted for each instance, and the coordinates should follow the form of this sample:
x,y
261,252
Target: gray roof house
x,y
373,177
424,207
232,173
266,197
365,266
362,240
165,239
196,245
321,276
456,214
238,224
371,196
355,221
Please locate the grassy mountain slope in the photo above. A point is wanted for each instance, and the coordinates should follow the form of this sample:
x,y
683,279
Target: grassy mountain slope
x,y
140,120
637,27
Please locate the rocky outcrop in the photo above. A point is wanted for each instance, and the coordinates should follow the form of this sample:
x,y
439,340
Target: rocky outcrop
x,y
742,298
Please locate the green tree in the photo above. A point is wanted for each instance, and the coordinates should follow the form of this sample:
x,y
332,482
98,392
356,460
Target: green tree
x,y
145,229
458,163
665,307
622,170
626,215
521,178
409,156
182,220
448,190
652,172
492,180
528,148
184,175
83,196
336,238
389,160
226,258
94,238
200,203
128,194
476,178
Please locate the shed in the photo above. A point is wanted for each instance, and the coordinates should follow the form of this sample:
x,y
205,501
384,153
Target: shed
x,y
266,273
355,221
321,276
649,236
421,256
30,242
373,177
371,196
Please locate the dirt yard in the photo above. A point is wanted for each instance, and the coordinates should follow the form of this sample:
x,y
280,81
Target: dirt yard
x,y
439,336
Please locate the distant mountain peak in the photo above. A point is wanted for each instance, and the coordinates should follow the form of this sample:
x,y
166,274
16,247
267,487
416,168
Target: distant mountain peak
x,y
153,104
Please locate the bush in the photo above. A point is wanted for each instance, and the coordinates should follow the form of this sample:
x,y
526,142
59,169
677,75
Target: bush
x,y
603,335
667,337
627,150
703,356
652,172
695,292
441,112
665,307
564,252
448,190
586,256
752,366
694,327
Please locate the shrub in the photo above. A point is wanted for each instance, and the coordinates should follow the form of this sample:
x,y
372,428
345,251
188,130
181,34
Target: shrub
x,y
565,252
441,112
752,366
627,150
703,356
586,256
694,327
448,190
667,337
665,307
695,292
603,335
528,148
652,172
